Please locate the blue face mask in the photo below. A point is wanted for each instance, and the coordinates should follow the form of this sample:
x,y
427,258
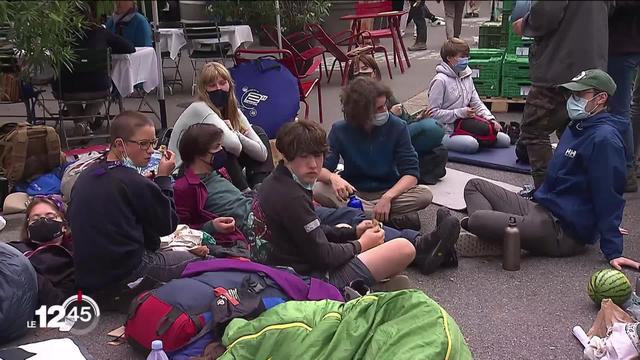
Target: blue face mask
x,y
127,162
218,159
461,65
305,186
380,118
576,108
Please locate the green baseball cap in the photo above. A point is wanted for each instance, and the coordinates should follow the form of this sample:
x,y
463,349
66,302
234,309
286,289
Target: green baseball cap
x,y
592,79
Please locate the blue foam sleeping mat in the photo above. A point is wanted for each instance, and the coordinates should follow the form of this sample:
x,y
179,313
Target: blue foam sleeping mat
x,y
493,158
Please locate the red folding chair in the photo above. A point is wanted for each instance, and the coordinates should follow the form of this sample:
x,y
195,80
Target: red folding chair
x,y
303,59
306,81
340,56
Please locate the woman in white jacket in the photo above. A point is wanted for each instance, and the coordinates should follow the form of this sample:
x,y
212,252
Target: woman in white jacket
x,y
246,145
453,96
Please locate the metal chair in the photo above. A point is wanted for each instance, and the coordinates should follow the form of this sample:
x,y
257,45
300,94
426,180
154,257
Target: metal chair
x,y
173,64
202,33
298,44
89,62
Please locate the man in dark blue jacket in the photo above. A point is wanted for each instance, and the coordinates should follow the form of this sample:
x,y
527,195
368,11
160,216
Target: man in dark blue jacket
x,y
379,161
580,201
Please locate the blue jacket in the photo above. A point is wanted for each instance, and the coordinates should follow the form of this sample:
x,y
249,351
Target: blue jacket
x,y
372,161
137,30
585,182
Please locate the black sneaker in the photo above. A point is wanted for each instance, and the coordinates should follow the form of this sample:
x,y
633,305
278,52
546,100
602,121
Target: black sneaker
x,y
434,248
441,214
514,132
451,260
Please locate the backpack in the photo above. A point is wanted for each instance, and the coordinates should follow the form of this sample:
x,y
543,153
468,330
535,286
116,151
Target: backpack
x,y
210,294
267,93
479,128
433,165
27,151
74,170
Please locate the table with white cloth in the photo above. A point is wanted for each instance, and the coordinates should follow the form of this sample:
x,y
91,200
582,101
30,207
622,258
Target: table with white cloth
x,y
172,39
127,70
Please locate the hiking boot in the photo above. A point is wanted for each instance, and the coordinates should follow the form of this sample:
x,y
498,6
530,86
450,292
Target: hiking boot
x,y
451,260
514,132
433,249
441,214
632,183
406,221
394,283
418,47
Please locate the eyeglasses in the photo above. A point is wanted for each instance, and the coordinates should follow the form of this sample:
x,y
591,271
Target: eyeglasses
x,y
144,144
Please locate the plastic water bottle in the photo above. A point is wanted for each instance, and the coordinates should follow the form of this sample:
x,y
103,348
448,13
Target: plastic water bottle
x,y
511,247
156,351
355,203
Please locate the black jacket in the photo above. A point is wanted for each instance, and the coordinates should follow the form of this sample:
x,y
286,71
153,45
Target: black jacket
x,y
624,28
297,238
115,215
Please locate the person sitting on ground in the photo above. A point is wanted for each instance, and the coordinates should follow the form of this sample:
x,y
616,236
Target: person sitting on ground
x,y
127,22
379,161
426,133
201,150
453,96
46,242
247,145
93,85
118,216
297,239
580,200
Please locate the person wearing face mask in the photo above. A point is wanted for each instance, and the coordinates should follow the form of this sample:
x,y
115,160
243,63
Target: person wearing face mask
x,y
127,22
580,200
380,163
46,242
118,216
453,96
247,146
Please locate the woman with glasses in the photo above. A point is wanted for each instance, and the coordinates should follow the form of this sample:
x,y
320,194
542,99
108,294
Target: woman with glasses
x,y
46,242
247,145
118,216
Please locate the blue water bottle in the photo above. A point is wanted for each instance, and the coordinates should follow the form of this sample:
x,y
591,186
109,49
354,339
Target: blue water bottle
x,y
355,203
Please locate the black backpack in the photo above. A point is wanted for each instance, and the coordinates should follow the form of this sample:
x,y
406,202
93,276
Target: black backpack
x,y
433,165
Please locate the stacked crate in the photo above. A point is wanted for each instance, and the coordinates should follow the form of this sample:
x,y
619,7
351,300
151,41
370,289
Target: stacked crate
x,y
492,36
486,67
515,82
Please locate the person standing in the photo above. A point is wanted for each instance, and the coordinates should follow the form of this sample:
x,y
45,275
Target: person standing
x,y
453,10
474,9
624,61
417,14
559,51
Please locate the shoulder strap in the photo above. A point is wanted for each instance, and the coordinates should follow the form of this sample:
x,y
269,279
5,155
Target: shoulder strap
x,y
54,155
19,151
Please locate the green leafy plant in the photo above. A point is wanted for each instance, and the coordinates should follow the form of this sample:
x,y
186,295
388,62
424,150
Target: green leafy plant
x,y
42,32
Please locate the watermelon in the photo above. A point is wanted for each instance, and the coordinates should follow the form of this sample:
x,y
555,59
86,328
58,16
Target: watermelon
x,y
609,284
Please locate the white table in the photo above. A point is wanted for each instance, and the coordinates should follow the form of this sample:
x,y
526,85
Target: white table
x,y
131,69
173,40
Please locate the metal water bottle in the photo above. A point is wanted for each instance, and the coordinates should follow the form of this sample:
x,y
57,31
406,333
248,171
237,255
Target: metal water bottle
x,y
355,203
511,247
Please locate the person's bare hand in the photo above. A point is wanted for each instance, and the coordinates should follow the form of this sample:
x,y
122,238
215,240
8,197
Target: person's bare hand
x,y
469,112
363,226
371,238
396,109
623,231
167,163
224,224
382,209
517,27
621,262
341,187
497,125
200,251
427,113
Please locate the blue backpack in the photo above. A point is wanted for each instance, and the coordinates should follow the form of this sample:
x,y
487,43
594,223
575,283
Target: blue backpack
x,y
267,93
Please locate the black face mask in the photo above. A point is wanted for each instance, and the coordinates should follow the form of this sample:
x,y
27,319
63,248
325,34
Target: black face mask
x,y
44,230
218,159
219,97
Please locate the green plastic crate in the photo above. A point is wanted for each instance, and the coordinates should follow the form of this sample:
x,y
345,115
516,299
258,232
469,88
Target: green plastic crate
x,y
518,45
486,64
515,67
485,54
487,87
507,5
515,88
492,35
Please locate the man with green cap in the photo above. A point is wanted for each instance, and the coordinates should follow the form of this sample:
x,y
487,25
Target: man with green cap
x,y
580,201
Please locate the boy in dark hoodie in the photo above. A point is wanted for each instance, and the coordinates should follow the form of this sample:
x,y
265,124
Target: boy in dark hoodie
x,y
580,201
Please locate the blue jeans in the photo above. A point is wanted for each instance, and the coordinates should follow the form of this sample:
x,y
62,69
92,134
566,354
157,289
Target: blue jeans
x,y
622,69
353,217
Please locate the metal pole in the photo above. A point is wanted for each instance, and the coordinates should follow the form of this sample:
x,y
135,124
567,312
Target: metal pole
x,y
278,24
160,89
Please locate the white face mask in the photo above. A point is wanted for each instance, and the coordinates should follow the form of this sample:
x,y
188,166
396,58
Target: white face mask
x,y
306,186
576,107
380,118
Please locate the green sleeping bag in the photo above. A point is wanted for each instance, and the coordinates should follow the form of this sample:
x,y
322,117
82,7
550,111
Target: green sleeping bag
x,y
398,325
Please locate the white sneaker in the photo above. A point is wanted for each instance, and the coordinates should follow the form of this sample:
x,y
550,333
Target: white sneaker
x,y
438,22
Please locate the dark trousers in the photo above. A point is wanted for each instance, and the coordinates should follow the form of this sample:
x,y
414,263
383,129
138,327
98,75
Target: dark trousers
x,y
545,111
417,14
490,208
254,171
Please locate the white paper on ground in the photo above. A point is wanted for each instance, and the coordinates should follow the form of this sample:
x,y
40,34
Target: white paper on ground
x,y
55,349
449,192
